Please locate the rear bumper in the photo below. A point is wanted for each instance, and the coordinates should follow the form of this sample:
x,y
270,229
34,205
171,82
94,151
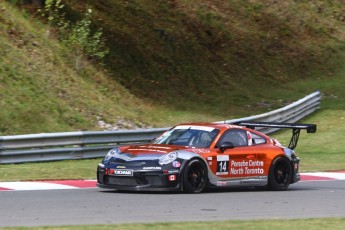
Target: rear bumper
x,y
295,171
295,178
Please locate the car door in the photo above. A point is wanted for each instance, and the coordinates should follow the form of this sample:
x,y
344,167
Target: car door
x,y
239,161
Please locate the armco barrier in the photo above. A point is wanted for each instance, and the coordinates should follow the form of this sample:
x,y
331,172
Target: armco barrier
x,y
81,145
68,145
290,113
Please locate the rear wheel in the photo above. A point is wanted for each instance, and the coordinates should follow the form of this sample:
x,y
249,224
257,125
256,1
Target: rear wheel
x,y
280,174
195,176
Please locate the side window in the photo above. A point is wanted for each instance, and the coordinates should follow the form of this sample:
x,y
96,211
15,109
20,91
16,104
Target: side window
x,y
237,137
256,139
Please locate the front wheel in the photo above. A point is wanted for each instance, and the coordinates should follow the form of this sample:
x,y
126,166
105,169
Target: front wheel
x,y
280,174
195,176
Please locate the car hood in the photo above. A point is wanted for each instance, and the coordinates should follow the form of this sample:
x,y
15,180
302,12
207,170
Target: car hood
x,y
150,149
149,152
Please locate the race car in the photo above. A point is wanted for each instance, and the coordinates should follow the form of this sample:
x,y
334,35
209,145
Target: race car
x,y
193,157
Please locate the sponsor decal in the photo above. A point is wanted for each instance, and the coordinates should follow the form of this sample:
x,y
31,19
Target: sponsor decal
x,y
121,167
171,171
171,177
221,183
233,126
195,127
247,167
222,165
252,182
121,172
176,164
223,158
152,168
201,151
209,160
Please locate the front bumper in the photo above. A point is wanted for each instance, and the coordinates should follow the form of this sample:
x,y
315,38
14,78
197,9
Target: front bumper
x,y
139,180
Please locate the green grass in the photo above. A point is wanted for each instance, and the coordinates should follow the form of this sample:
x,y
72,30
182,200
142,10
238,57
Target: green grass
x,y
72,169
173,62
169,62
307,224
323,150
320,151
202,68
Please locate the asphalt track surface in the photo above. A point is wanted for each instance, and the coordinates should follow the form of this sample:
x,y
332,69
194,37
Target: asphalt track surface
x,y
304,199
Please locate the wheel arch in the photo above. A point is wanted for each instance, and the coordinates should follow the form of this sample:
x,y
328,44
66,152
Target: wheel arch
x,y
276,158
281,156
187,156
183,169
186,161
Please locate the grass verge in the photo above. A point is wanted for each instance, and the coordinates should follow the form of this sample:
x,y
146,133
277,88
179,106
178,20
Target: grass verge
x,y
323,150
59,93
306,224
320,151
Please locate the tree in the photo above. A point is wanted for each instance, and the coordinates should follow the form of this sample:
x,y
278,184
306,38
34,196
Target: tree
x,y
79,36
53,11
84,41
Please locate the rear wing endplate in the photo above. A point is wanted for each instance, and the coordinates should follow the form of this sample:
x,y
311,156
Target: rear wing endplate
x,y
296,129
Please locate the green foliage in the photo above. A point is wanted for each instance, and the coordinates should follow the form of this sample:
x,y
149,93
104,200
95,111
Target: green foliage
x,y
186,62
80,37
53,12
190,70
40,90
84,41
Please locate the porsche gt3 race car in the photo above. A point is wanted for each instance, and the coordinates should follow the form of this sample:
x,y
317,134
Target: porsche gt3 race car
x,y
192,157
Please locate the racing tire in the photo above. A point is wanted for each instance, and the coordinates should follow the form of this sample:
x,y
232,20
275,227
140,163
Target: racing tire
x,y
280,174
194,176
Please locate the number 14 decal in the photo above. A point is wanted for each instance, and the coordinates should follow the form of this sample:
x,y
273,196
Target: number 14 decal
x,y
222,165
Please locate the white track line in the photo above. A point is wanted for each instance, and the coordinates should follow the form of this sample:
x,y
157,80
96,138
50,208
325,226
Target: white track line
x,y
33,186
333,175
51,185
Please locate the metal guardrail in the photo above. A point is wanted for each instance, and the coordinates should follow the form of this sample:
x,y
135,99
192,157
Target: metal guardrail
x,y
68,145
82,145
288,114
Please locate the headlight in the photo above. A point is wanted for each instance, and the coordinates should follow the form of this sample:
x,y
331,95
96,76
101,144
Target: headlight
x,y
167,158
112,153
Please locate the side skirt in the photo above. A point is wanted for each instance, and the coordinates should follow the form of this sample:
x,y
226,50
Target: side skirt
x,y
238,182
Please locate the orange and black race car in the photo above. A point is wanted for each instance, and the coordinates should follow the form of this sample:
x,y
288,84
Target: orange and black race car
x,y
192,157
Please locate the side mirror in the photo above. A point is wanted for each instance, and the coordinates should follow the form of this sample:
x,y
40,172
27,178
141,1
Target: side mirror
x,y
226,145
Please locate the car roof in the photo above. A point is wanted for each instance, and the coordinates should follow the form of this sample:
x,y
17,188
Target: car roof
x,y
220,126
223,126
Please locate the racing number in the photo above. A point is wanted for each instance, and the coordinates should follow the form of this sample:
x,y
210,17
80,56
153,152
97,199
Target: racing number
x,y
222,165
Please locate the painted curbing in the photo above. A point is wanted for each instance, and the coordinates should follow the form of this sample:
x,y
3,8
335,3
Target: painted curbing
x,y
82,184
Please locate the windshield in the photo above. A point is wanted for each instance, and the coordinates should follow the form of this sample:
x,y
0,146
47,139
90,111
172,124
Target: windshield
x,y
186,135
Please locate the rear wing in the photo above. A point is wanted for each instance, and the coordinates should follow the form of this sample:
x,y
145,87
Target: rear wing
x,y
296,129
